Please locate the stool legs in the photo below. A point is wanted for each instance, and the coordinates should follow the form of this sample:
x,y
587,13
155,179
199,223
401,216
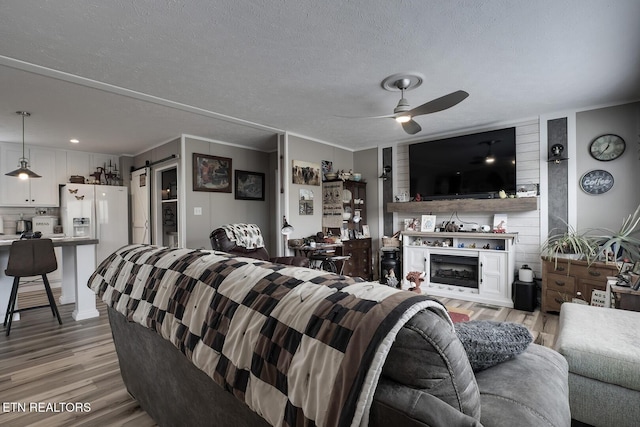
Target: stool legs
x,y
11,308
12,303
52,302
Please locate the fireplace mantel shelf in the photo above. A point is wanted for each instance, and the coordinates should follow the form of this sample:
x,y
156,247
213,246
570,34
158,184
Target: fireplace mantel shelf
x,y
519,204
462,234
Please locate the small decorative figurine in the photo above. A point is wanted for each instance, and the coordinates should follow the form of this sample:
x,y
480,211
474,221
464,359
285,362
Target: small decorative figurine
x,y
416,278
392,280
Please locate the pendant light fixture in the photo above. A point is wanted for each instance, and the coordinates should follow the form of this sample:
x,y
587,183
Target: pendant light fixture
x,y
23,172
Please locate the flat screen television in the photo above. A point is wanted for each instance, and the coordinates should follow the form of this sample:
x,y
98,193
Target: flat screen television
x,y
461,167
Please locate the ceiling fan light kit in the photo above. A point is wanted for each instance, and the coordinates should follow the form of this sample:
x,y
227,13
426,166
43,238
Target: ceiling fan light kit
x,y
403,113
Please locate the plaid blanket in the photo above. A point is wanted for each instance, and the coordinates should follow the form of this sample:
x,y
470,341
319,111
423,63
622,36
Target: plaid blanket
x,y
298,346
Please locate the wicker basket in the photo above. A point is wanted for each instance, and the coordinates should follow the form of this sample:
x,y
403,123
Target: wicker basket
x,y
390,242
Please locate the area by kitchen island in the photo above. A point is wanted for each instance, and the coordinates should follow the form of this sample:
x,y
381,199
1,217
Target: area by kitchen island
x,y
78,263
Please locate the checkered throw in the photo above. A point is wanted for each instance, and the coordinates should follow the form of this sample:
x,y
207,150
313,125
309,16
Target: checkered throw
x,y
247,236
298,346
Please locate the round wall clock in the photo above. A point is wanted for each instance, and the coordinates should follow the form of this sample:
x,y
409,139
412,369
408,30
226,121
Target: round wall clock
x,y
607,147
596,182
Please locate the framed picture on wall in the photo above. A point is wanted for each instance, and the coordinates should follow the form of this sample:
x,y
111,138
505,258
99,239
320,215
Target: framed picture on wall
x,y
249,185
306,173
211,173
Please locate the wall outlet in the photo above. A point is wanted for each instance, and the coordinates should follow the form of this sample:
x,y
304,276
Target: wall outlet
x,y
197,211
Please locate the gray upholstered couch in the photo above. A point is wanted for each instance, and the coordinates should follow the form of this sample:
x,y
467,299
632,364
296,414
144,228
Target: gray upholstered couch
x,y
427,380
601,347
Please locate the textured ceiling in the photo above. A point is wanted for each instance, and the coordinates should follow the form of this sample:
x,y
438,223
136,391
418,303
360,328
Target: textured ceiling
x,y
122,76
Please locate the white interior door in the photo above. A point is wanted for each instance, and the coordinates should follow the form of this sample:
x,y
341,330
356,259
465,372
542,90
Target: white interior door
x,y
140,206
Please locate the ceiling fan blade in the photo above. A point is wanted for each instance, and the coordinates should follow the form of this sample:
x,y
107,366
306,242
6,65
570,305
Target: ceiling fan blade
x,y
411,127
440,104
386,116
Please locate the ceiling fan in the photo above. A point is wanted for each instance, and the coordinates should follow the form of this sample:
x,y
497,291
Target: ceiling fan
x,y
404,114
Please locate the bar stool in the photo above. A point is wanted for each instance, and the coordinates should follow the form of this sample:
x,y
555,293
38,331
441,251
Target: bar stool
x,y
32,257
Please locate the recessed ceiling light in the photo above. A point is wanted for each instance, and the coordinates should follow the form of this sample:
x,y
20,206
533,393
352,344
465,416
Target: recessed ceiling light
x,y
74,141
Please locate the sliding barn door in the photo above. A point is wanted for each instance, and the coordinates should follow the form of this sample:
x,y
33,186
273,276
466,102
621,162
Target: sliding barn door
x,y
140,206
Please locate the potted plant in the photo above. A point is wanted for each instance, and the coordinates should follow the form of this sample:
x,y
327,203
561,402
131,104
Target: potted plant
x,y
625,242
569,244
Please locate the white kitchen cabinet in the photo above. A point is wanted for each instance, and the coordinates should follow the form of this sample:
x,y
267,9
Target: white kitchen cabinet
x,y
78,164
84,164
40,192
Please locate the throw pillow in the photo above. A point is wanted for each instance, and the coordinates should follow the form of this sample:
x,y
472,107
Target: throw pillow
x,y
488,343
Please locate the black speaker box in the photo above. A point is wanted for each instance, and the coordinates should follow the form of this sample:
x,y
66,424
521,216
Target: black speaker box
x,y
524,295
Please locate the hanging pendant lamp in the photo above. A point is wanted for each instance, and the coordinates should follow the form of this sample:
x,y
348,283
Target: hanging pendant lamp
x,y
23,172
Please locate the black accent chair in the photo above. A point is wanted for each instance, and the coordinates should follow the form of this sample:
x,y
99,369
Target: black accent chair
x,y
32,257
220,242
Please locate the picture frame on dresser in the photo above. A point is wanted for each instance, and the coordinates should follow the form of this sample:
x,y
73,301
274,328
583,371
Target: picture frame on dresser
x,y
626,267
428,224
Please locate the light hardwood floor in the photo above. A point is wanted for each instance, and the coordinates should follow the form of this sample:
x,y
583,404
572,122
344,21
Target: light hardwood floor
x,y
42,362
543,326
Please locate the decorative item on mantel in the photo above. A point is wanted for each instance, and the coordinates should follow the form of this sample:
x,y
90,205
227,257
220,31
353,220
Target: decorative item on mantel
x,y
528,190
404,197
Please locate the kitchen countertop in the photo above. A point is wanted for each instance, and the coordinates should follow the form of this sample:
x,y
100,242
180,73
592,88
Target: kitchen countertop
x,y
58,240
78,262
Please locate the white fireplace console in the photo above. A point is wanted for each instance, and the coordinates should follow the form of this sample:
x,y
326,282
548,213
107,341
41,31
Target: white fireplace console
x,y
469,266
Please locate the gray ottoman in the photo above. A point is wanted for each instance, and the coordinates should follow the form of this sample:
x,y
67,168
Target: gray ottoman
x,y
602,347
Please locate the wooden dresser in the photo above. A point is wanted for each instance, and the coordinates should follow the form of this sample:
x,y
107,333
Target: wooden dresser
x,y
562,282
360,263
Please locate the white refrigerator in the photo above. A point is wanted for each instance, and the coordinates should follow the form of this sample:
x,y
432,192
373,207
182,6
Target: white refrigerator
x,y
97,211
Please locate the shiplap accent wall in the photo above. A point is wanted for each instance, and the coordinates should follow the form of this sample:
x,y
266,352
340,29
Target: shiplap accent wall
x,y
526,224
